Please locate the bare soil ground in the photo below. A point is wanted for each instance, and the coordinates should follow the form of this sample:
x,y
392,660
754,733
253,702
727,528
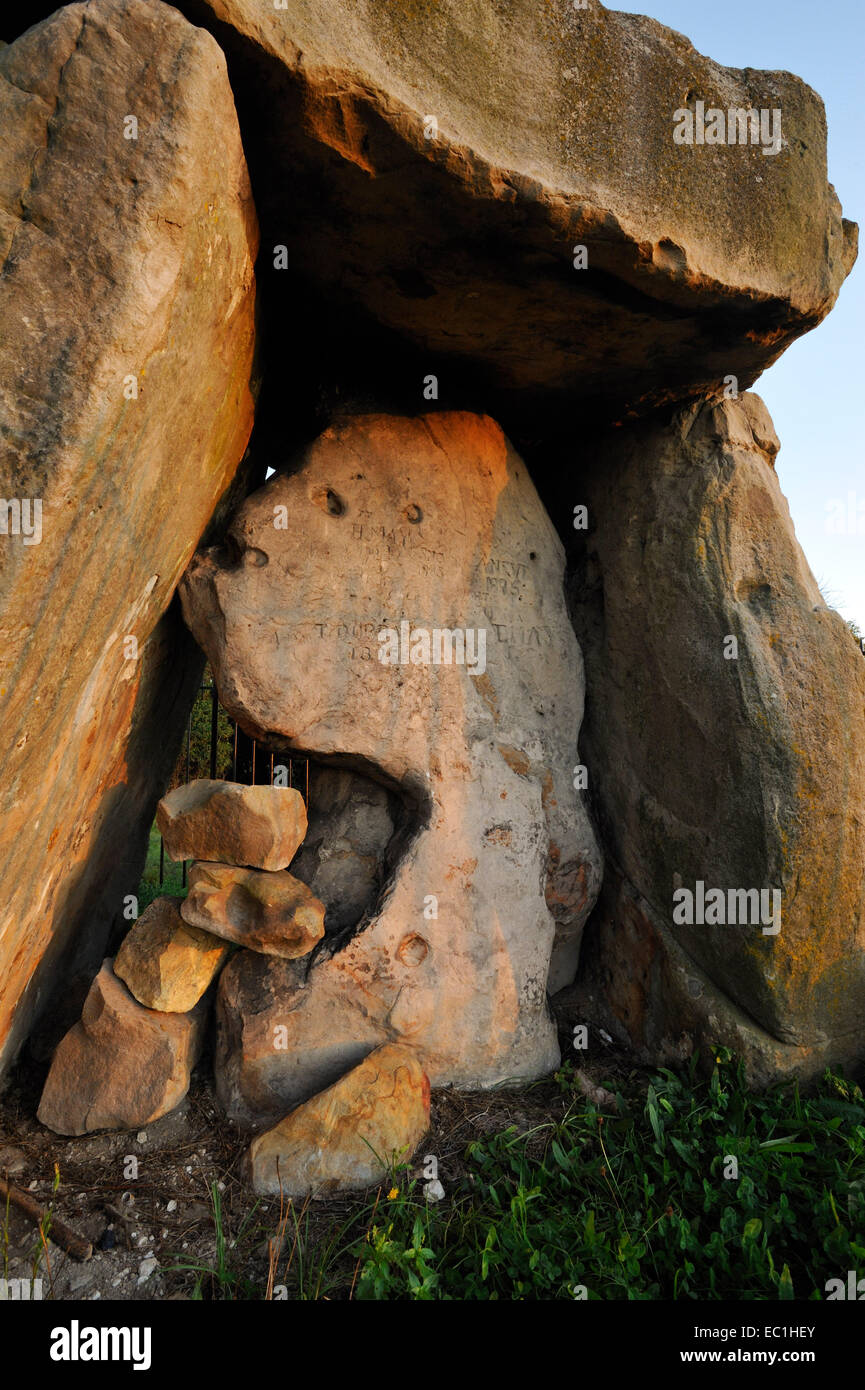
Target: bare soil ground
x,y
144,1229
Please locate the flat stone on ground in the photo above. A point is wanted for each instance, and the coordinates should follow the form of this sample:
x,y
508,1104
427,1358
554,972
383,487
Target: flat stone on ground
x,y
346,1137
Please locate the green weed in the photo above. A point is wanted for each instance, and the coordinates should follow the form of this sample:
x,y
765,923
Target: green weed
x,y
699,1190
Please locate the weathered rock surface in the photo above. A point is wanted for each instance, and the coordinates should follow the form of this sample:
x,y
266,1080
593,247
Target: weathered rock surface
x,y
269,912
440,164
638,983
264,1008
260,827
347,1137
122,1065
123,260
432,523
344,858
742,774
165,963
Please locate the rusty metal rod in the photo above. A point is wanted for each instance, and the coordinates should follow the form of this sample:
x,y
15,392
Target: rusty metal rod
x,y
214,728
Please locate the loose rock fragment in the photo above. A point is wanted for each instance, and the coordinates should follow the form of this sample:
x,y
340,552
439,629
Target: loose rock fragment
x,y
166,963
268,912
229,823
121,1066
346,1137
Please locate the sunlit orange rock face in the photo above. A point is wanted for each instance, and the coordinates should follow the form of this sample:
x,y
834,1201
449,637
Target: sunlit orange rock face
x,y
126,348
348,1136
392,528
166,964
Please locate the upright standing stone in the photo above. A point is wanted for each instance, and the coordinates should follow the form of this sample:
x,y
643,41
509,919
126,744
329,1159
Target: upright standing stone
x,y
423,542
726,741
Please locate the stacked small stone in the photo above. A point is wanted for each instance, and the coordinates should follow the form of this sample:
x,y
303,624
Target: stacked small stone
x,y
242,839
129,1058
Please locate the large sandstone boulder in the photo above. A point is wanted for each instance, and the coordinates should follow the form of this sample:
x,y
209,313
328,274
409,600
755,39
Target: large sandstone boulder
x,y
349,1136
740,767
122,1065
437,165
258,827
127,241
432,525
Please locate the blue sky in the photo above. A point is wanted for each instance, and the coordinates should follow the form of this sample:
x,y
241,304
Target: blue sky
x,y
815,392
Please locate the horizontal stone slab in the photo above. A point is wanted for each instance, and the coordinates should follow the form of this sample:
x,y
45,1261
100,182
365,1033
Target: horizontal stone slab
x,y
572,207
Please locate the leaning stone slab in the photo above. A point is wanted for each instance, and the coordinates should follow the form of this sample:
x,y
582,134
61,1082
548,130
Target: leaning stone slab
x,y
167,964
268,912
228,823
347,1137
127,298
121,1065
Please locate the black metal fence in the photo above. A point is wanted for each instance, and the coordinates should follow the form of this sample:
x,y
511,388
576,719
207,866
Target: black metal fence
x,y
250,763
